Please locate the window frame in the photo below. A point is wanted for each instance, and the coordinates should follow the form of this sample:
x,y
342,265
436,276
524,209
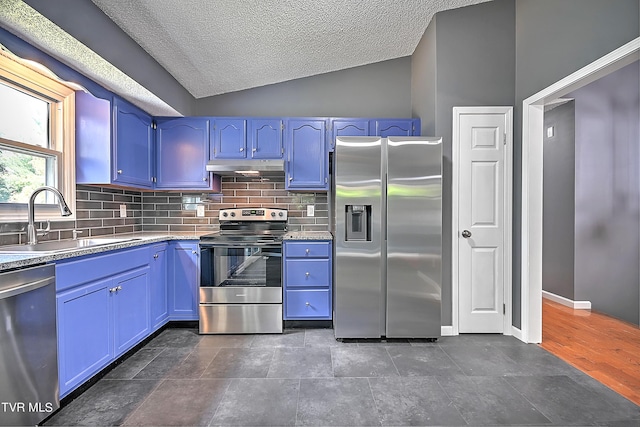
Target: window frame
x,y
38,81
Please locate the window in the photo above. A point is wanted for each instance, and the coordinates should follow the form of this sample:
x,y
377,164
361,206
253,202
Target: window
x,y
36,139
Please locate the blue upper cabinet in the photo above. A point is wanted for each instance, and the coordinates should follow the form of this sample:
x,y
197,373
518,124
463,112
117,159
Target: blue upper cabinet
x,y
307,155
133,148
394,127
347,127
114,143
265,138
228,138
182,154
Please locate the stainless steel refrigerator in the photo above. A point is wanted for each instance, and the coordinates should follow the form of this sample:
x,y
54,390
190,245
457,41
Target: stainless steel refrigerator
x,y
387,223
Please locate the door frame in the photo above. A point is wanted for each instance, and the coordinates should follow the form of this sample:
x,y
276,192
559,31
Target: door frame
x,y
532,141
508,214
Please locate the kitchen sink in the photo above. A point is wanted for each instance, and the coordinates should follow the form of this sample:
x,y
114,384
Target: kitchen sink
x,y
53,247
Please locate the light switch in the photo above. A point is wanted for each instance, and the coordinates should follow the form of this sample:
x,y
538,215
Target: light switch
x,y
550,132
311,210
200,210
123,211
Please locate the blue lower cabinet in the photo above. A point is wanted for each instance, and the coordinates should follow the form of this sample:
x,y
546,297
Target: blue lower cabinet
x,y
159,299
85,340
130,302
99,321
308,304
183,280
108,303
307,280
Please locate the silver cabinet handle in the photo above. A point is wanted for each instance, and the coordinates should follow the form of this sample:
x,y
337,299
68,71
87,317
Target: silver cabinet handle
x,y
306,251
112,290
466,234
205,179
119,171
194,252
306,274
290,178
307,304
155,256
241,149
119,288
254,150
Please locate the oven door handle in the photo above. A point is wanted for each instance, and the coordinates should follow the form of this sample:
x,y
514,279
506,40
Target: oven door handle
x,y
241,245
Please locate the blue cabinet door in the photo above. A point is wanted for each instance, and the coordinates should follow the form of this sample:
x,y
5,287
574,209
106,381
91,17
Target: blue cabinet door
x,y
183,280
132,145
229,139
130,302
265,138
93,139
393,127
158,286
182,154
347,127
85,342
307,156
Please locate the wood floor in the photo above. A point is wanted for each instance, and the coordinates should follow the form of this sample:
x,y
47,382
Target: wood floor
x,y
603,347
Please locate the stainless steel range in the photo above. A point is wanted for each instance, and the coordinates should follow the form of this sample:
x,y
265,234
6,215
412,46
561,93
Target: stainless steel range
x,y
241,273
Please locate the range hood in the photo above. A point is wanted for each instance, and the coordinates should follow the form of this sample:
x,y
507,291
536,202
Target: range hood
x,y
231,167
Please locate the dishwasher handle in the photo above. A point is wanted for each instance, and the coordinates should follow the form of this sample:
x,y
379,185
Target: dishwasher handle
x,y
27,287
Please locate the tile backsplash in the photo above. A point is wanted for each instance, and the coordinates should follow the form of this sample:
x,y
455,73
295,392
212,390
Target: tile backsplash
x,y
97,214
167,211
98,210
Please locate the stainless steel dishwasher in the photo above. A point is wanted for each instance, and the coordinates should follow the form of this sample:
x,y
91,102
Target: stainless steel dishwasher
x,y
29,389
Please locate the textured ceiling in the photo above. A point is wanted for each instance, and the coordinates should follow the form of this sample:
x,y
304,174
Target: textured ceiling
x,y
214,47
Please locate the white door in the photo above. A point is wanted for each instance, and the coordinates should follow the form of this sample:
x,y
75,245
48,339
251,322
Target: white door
x,y
481,136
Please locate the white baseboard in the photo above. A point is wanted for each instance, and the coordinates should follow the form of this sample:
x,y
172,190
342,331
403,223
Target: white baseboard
x,y
517,333
446,331
576,305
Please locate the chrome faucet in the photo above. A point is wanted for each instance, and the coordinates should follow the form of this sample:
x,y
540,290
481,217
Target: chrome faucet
x,y
32,233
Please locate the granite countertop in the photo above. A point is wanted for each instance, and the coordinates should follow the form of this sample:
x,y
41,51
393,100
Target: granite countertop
x,y
308,235
10,261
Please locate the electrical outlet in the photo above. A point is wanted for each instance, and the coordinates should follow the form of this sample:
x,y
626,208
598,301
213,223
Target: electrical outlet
x,y
200,210
123,211
311,210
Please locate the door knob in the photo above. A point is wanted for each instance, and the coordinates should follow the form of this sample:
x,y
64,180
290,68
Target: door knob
x,y
466,234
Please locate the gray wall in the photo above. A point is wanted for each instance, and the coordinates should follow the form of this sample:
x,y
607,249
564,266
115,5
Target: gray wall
x,y
554,38
558,201
382,89
86,22
474,65
423,80
607,193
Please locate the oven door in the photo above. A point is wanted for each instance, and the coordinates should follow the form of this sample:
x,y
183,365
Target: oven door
x,y
241,273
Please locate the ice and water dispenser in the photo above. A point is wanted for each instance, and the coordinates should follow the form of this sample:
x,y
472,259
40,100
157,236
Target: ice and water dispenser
x,y
358,223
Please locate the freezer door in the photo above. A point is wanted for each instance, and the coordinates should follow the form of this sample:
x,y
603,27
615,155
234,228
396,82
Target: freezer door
x,y
414,237
358,297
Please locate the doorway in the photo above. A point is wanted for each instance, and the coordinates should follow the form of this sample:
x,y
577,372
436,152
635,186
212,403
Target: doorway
x,y
532,192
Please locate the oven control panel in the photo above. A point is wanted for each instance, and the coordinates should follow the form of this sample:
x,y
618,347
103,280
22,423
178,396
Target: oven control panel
x,y
251,214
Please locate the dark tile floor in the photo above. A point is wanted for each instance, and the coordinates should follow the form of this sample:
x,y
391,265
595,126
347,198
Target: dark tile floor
x,y
306,377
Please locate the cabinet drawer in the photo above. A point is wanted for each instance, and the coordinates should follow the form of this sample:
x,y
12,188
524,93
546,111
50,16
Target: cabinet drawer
x,y
308,249
307,273
308,304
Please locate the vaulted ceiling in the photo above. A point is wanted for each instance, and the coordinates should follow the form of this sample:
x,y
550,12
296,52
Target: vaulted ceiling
x,y
214,47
